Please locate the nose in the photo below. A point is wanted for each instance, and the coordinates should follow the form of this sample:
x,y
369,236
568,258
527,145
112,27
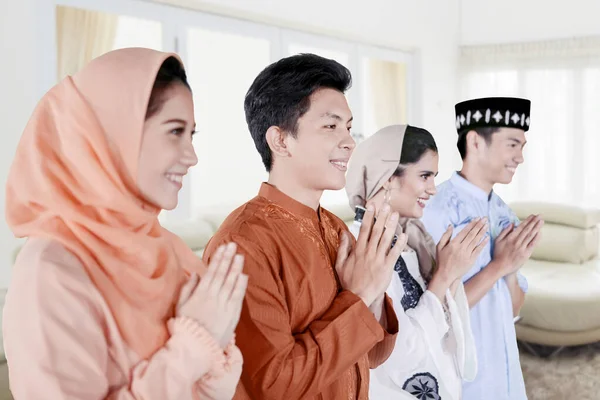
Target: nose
x,y
348,143
520,159
431,189
189,157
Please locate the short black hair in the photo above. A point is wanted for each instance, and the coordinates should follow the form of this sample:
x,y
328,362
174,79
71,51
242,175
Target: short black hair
x,y
417,141
280,95
484,132
170,72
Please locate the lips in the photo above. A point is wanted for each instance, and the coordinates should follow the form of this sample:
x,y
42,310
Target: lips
x,y
176,179
421,201
342,165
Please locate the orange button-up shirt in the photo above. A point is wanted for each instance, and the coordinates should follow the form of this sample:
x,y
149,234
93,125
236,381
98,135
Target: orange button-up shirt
x,y
302,336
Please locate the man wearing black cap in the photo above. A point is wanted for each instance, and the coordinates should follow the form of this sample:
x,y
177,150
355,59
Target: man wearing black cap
x,y
491,137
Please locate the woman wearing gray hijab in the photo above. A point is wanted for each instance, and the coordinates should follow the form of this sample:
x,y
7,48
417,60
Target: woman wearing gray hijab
x,y
434,350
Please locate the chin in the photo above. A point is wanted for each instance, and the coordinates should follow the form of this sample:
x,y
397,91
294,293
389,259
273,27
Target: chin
x,y
505,180
335,184
167,204
417,213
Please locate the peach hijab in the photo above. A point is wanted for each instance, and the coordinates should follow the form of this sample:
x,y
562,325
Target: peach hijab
x,y
73,180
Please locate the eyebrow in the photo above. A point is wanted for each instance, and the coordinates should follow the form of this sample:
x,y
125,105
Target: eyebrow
x,y
518,141
335,116
177,121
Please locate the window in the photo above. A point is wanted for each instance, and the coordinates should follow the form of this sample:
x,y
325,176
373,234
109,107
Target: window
x,y
561,156
222,57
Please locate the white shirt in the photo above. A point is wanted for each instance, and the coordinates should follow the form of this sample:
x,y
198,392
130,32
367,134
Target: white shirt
x,y
433,352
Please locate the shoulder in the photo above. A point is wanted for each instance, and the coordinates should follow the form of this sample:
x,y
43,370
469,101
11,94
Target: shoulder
x,y
251,227
48,264
50,284
333,220
445,198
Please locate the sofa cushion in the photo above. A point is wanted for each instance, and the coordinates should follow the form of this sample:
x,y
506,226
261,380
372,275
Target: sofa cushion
x,y
562,297
576,217
566,244
195,234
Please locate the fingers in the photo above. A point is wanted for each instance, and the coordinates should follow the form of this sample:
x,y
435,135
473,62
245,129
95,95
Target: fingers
x,y
445,239
474,231
223,268
395,252
365,229
477,250
234,272
526,231
215,261
477,235
462,235
378,229
188,288
239,290
343,250
505,232
388,235
534,241
535,233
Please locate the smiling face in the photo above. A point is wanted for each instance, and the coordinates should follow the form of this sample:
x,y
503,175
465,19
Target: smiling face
x,y
166,151
499,159
411,191
319,154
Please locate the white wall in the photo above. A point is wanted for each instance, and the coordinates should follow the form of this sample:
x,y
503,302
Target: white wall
x,y
431,29
509,21
17,100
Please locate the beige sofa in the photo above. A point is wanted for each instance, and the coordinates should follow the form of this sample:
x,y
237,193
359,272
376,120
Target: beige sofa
x,y
562,306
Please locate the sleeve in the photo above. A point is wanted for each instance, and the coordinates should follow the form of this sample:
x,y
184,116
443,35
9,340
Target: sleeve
x,y
382,350
55,335
221,381
460,321
279,363
422,328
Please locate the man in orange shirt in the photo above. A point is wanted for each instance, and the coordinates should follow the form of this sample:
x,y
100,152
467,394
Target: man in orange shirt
x,y
316,316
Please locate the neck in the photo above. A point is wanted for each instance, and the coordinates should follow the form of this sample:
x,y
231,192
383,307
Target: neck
x,y
474,175
292,188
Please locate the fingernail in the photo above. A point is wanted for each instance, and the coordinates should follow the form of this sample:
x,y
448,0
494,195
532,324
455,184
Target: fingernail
x,y
370,207
394,216
231,246
386,208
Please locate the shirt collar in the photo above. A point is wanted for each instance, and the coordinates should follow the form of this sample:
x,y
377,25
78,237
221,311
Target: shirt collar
x,y
475,191
276,196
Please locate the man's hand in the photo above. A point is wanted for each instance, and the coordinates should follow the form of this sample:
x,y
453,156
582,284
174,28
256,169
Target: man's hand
x,y
366,270
514,246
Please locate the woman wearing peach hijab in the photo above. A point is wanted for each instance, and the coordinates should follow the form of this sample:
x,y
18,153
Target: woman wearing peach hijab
x,y
104,303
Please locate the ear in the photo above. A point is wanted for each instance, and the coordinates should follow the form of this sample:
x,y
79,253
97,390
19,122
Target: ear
x,y
474,141
277,141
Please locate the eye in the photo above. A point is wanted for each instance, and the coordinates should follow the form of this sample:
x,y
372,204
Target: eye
x,y
177,131
330,126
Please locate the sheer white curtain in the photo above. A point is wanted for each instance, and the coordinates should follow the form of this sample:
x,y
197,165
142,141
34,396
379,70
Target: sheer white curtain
x,y
562,79
81,36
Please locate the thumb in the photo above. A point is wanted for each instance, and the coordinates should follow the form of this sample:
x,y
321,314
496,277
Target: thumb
x,y
445,239
343,250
